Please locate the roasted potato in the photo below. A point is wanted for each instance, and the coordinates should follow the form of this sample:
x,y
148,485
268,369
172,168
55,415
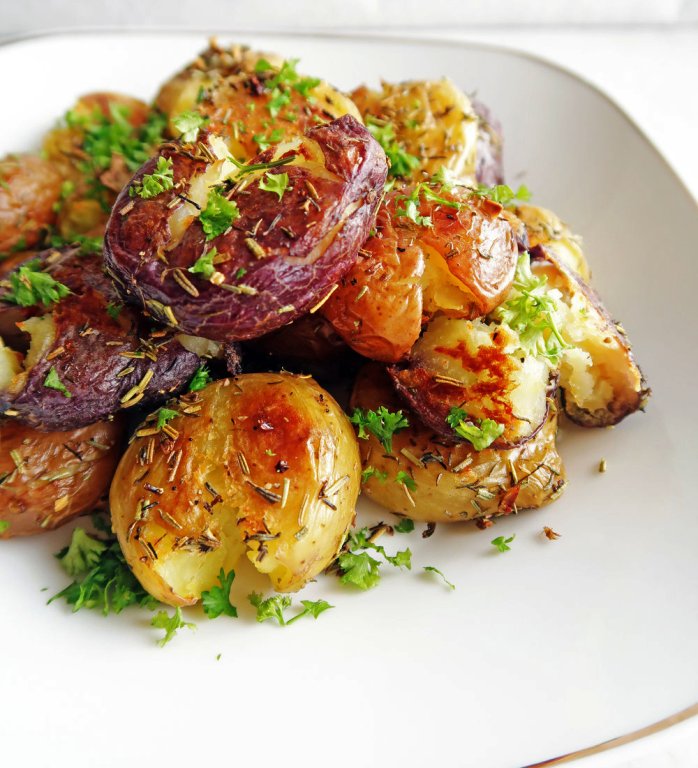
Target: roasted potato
x,y
251,99
432,121
462,264
49,478
103,139
281,252
547,231
489,169
600,381
452,482
263,464
480,368
30,189
87,356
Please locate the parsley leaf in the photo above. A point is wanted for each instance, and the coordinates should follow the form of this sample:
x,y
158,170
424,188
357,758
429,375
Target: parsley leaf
x,y
83,553
481,433
432,569
411,211
162,620
381,423
404,478
530,311
502,544
165,415
114,310
204,264
109,585
218,214
152,184
402,163
270,608
201,378
4,525
53,382
87,244
274,182
370,472
404,526
359,569
216,601
503,194
188,123
263,141
30,286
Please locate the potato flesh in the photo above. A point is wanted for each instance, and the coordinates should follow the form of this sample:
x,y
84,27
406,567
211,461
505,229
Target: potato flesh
x,y
289,517
10,365
454,482
433,120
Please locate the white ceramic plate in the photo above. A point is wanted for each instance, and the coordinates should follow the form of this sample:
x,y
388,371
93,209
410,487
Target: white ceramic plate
x,y
551,647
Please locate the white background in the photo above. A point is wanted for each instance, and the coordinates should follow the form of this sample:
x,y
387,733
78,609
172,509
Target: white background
x,y
644,53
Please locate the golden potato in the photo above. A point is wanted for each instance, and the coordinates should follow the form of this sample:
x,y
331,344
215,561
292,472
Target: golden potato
x,y
448,483
599,378
433,121
263,464
30,188
49,478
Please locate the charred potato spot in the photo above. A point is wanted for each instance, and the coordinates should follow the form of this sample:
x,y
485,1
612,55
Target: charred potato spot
x,y
454,482
30,188
600,380
481,369
263,464
49,478
279,257
104,362
433,120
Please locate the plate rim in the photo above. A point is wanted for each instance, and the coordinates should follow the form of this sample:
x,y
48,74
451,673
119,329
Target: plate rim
x,y
587,754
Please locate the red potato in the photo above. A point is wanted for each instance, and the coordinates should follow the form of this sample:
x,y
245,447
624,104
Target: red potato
x,y
49,478
279,257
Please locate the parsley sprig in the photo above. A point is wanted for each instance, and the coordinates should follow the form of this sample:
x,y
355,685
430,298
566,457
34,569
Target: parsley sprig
x,y
503,194
152,184
402,163
356,566
381,423
481,433
29,286
189,123
273,608
162,620
200,379
274,182
501,544
218,215
216,601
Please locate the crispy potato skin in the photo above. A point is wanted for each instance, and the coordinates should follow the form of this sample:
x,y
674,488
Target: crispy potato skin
x,y
454,481
29,189
310,340
613,362
62,475
87,349
293,272
463,266
222,84
268,467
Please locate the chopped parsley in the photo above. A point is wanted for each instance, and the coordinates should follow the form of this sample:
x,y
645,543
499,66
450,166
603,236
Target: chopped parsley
x,y
404,526
105,582
481,433
357,567
29,286
401,162
432,569
404,478
273,608
263,141
114,310
381,423
530,311
162,620
204,264
370,472
165,415
216,601
274,182
218,215
285,79
200,379
152,184
4,525
502,544
503,194
188,124
87,244
410,203
53,382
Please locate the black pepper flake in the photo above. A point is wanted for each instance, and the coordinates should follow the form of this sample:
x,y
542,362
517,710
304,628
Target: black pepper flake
x,y
281,466
429,530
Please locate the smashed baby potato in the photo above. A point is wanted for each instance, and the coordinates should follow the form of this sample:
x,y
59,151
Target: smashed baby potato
x,y
263,464
600,381
456,254
49,478
30,188
429,479
481,369
432,121
545,229
251,99
285,229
